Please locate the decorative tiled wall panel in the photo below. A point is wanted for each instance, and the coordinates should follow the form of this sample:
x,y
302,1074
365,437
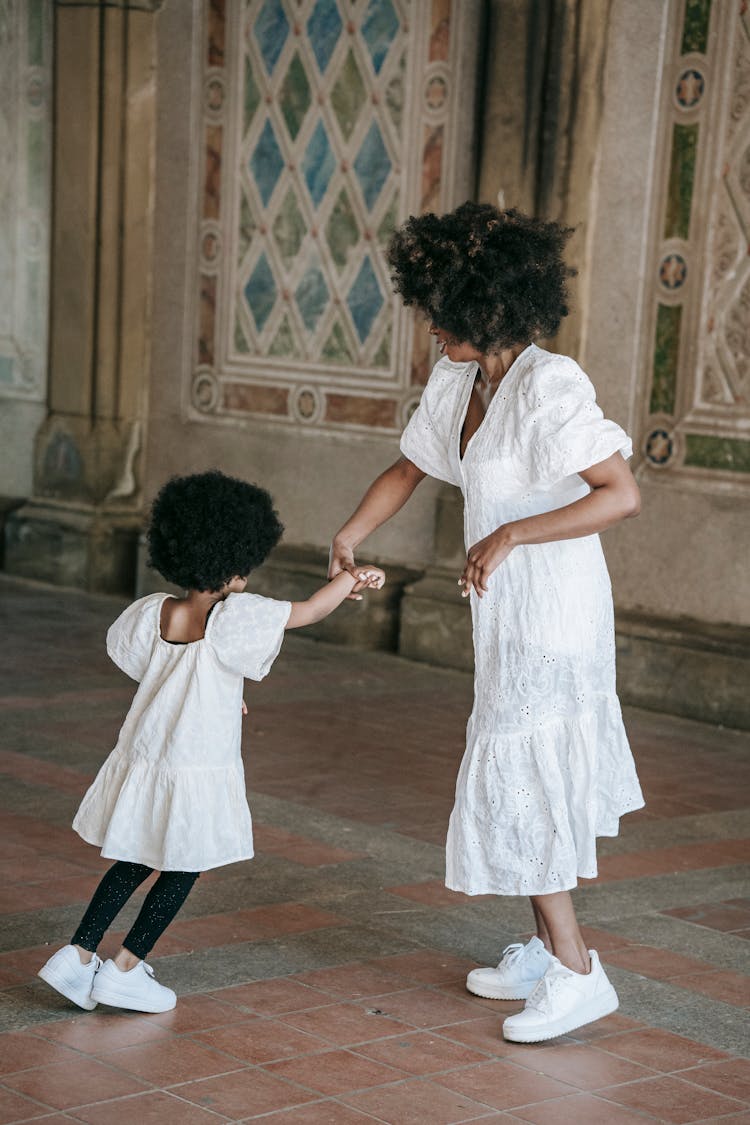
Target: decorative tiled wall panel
x,y
25,129
697,409
325,123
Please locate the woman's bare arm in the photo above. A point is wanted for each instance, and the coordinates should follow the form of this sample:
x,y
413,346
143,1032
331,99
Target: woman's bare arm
x,y
386,495
614,496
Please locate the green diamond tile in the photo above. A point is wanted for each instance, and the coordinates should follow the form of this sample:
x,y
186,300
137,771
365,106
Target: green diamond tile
x,y
336,348
295,96
382,357
348,95
251,94
342,231
394,94
289,228
284,343
240,340
388,222
246,230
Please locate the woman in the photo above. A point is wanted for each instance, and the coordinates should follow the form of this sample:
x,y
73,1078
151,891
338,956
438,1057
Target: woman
x,y
547,766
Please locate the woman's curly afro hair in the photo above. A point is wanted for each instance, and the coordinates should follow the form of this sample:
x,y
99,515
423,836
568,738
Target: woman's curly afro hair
x,y
489,278
208,528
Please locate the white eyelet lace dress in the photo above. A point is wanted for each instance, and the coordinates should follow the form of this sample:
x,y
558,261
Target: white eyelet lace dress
x,y
547,766
171,795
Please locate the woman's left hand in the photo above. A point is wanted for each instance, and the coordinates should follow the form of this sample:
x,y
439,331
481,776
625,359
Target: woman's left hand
x,y
483,560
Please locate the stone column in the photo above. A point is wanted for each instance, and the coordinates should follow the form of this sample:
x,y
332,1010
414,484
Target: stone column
x,y
80,526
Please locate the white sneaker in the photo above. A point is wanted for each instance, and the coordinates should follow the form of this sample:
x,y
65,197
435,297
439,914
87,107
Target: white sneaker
x,y
66,972
515,978
136,989
561,1002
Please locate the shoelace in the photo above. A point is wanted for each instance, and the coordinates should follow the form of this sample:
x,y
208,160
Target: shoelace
x,y
511,953
545,988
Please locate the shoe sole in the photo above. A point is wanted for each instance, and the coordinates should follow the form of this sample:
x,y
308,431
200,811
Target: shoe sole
x,y
594,1009
66,988
114,999
520,992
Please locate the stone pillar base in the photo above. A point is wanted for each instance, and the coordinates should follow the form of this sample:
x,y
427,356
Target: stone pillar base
x,y
436,622
77,547
685,667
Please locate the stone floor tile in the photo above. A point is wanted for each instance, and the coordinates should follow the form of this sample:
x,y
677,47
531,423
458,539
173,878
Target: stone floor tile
x,y
613,1024
730,1077
672,1100
723,916
428,966
324,1112
345,1024
274,997
503,1085
660,1049
97,1032
250,925
416,1102
731,988
580,1109
167,1062
198,1013
334,1072
21,1051
14,1107
486,1035
425,1007
434,893
583,1066
662,964
421,1053
261,1041
158,1108
244,1093
63,1086
353,982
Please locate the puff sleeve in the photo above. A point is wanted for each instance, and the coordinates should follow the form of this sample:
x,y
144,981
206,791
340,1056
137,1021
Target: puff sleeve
x,y
245,632
427,438
569,432
132,637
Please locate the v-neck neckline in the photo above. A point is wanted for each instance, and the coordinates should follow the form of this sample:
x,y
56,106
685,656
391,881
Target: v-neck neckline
x,y
490,404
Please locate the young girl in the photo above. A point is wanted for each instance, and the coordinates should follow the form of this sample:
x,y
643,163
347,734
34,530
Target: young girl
x,y
171,795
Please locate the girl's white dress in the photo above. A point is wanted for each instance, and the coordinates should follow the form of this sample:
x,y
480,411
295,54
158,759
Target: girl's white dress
x,y
171,795
547,766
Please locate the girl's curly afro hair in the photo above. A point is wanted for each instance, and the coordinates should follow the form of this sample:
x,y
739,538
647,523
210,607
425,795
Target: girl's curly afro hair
x,y
489,278
208,528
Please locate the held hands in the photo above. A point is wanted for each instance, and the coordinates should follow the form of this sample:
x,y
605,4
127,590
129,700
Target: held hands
x,y
368,577
483,560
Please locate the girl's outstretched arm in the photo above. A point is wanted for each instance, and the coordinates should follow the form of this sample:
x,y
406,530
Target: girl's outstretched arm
x,y
325,600
386,495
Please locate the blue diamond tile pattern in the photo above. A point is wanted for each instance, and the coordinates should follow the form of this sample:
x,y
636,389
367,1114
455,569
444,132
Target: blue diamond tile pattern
x,y
312,297
365,299
266,163
318,164
379,29
323,30
271,32
260,292
372,165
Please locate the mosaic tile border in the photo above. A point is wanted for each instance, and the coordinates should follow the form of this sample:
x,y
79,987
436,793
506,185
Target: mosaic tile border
x,y
26,85
698,402
341,382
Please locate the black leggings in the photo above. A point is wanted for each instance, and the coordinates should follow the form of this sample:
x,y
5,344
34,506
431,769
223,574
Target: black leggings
x,y
160,906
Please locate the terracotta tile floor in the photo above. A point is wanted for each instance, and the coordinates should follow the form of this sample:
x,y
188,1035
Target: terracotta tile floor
x,y
324,982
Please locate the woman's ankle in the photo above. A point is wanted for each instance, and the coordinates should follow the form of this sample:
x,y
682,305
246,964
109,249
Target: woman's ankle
x,y
85,955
